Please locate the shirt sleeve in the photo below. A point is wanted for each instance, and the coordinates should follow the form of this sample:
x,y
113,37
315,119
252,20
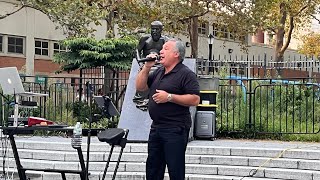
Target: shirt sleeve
x,y
151,78
191,84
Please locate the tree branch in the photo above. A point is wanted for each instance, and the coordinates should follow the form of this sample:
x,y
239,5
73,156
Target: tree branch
x,y
13,12
197,15
314,17
303,8
291,27
24,6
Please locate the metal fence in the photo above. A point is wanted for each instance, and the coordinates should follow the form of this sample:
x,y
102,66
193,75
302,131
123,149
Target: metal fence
x,y
268,106
267,97
70,98
258,96
260,66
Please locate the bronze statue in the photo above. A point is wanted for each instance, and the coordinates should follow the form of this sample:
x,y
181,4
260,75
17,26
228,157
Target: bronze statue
x,y
149,44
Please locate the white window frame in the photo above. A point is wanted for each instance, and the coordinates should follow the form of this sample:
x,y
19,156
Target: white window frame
x,y
42,48
15,45
221,32
1,43
61,49
203,28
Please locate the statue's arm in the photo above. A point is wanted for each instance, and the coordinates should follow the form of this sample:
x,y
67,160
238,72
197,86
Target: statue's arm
x,y
165,38
140,46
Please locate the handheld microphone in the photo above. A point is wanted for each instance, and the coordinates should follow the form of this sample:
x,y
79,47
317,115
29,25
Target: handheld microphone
x,y
157,57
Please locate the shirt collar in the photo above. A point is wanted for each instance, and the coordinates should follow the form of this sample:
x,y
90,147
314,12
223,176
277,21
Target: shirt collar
x,y
176,68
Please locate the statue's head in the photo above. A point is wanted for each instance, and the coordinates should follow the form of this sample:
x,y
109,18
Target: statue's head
x,y
156,28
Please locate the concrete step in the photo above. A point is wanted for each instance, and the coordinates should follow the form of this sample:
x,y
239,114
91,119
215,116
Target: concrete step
x,y
204,160
200,169
277,162
36,175
297,152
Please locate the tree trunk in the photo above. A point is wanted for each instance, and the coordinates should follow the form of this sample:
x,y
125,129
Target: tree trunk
x,y
193,32
110,25
280,32
279,44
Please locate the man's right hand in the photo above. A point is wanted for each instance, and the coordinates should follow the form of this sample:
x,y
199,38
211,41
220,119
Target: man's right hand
x,y
142,77
149,64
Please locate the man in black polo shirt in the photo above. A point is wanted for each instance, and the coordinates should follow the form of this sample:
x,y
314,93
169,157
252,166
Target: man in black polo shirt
x,y
173,89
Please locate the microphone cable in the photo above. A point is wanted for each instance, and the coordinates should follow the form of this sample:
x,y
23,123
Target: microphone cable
x,y
261,167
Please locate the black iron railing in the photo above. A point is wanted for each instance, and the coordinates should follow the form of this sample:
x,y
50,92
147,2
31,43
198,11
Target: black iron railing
x,y
70,98
268,106
252,96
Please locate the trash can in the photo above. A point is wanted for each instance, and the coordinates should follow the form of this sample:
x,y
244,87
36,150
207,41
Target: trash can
x,y
205,124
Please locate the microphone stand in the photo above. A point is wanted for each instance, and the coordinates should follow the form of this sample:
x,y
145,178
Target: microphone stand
x,y
89,91
4,98
3,146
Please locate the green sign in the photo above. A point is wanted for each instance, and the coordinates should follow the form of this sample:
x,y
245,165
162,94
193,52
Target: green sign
x,y
41,79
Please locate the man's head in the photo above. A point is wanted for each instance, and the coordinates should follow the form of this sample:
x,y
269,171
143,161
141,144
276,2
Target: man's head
x,y
156,29
173,52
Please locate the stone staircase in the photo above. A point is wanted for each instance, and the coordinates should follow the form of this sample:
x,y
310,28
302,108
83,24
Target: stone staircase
x,y
216,160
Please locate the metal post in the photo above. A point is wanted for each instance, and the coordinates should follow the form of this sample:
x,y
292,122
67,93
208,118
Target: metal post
x,y
210,52
21,171
84,173
210,42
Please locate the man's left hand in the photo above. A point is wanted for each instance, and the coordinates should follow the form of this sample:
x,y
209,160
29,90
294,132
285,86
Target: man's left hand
x,y
160,96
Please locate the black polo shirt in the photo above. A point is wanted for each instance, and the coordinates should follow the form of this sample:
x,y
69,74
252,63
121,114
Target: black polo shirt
x,y
180,80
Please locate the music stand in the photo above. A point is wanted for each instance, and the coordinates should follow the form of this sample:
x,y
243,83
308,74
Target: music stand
x,y
105,104
109,110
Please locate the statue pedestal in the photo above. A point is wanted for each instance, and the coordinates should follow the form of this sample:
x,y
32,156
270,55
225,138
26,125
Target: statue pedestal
x,y
137,121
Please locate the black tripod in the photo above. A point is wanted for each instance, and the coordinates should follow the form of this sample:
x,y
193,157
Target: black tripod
x,y
113,136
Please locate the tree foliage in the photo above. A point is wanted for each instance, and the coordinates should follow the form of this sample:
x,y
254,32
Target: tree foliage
x,y
178,16
88,53
277,17
74,17
280,18
311,45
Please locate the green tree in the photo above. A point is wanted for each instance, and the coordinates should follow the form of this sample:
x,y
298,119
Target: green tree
x,y
73,16
311,45
112,53
178,17
278,17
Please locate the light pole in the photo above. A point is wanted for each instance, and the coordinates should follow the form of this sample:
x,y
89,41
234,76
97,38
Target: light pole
x,y
210,42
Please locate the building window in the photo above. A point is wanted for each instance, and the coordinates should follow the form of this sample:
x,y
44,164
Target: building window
x,y
202,29
42,48
215,30
271,38
15,45
1,43
220,31
58,48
